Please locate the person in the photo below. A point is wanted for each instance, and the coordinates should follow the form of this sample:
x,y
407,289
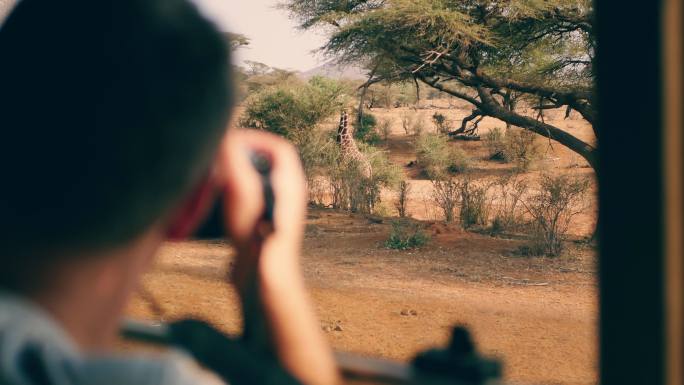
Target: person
x,y
114,140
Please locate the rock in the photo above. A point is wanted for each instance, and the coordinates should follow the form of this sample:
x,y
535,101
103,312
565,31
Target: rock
x,y
338,328
405,312
413,313
326,328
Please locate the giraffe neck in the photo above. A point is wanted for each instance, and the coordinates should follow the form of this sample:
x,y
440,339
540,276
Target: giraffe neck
x,y
344,137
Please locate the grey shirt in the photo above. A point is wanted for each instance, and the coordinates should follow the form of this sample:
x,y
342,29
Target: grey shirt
x,y
34,350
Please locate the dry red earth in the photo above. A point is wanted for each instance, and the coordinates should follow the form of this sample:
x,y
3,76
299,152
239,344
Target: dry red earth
x,y
538,314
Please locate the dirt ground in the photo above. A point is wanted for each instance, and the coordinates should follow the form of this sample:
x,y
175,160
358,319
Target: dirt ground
x,y
538,314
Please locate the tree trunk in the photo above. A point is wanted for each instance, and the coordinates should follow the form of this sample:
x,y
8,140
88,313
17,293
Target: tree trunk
x,y
362,99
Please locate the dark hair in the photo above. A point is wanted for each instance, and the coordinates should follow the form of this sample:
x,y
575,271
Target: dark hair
x,y
110,111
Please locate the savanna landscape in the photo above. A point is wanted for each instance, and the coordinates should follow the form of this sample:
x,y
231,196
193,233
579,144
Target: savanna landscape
x,y
460,188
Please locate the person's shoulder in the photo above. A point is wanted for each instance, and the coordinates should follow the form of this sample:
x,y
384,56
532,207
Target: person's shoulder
x,y
34,349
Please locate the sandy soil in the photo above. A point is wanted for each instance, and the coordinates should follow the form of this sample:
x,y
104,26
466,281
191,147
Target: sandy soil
x,y
538,314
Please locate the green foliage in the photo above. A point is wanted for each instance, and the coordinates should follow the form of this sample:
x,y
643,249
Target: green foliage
x,y
351,189
392,94
547,41
366,132
406,235
318,151
290,107
478,51
438,158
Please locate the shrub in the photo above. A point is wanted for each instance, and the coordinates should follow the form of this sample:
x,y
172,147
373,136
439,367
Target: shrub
x,y
474,203
407,122
459,161
510,211
445,194
290,107
441,123
418,126
438,158
403,198
317,151
366,132
494,140
406,95
382,209
353,191
516,146
406,235
559,199
385,128
521,147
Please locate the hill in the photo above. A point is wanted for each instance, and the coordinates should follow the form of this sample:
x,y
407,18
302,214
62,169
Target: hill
x,y
335,71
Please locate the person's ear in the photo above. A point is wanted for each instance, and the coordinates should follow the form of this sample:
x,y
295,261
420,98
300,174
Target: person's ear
x,y
193,210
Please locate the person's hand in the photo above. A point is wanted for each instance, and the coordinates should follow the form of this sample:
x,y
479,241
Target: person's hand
x,y
271,265
244,204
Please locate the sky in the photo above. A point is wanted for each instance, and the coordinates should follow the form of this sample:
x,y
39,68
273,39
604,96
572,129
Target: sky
x,y
275,40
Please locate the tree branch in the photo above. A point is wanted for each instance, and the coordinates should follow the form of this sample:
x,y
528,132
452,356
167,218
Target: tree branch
x,y
493,109
435,83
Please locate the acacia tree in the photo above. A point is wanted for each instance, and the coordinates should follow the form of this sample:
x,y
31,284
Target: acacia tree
x,y
490,53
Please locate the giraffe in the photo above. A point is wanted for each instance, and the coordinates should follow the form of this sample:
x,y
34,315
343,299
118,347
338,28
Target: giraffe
x,y
350,151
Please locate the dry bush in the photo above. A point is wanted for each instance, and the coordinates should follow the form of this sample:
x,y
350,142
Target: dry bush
x,y
385,128
441,123
446,195
383,209
418,126
510,211
318,189
438,158
475,203
494,141
403,198
552,208
407,122
521,147
516,146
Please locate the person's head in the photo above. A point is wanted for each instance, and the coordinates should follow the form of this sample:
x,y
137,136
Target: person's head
x,y
111,112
